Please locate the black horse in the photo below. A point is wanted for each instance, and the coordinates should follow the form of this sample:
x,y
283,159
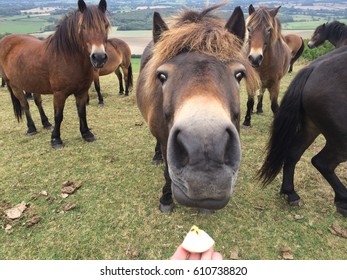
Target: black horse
x,y
335,32
311,106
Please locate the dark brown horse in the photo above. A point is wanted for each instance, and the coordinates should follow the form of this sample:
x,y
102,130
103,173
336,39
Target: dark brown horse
x,y
119,56
268,53
335,32
314,103
61,65
296,45
188,93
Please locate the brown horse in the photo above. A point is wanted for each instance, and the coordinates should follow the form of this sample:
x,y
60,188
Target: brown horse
x,y
296,45
60,65
312,105
188,93
119,56
268,53
335,32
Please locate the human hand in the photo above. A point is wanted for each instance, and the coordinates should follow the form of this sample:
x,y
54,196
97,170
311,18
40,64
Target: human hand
x,y
183,254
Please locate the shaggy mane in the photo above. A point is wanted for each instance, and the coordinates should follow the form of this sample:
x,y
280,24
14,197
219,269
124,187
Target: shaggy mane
x,y
262,17
66,39
200,32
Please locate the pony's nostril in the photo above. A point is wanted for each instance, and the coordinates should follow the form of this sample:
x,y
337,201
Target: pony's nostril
x,y
180,153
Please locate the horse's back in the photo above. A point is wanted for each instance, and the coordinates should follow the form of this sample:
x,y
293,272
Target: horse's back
x,y
118,53
23,61
325,97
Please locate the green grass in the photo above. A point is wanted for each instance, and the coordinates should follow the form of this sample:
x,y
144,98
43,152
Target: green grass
x,y
116,214
23,24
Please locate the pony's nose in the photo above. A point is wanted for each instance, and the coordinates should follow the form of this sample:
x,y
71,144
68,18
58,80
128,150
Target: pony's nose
x,y
98,59
255,60
310,45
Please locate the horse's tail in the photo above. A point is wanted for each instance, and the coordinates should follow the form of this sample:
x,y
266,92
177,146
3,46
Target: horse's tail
x,y
299,52
287,124
18,112
130,76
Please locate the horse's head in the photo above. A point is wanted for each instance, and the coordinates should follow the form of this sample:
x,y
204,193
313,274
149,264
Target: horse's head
x,y
263,28
318,38
93,29
194,78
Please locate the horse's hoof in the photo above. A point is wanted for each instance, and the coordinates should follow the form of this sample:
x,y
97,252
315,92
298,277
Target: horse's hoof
x,y
295,203
259,112
48,126
120,93
56,143
341,208
100,104
166,208
31,133
206,211
89,138
157,162
246,126
342,211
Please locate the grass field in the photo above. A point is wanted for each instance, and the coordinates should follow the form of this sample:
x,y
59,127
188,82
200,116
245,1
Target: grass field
x,y
115,213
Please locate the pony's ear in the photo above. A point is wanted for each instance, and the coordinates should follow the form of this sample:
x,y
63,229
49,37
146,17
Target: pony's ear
x,y
274,12
103,5
236,23
251,9
159,26
81,5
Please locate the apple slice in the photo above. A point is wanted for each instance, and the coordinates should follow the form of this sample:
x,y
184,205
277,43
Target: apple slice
x,y
197,241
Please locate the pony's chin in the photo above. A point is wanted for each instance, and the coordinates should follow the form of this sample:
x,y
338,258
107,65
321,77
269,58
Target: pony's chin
x,y
211,204
98,66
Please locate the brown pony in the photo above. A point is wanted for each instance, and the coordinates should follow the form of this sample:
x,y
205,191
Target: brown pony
x,y
335,32
60,65
296,45
188,93
119,56
268,53
314,104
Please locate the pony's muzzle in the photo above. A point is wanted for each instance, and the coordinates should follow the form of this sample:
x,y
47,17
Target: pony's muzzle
x,y
98,59
311,44
255,60
203,164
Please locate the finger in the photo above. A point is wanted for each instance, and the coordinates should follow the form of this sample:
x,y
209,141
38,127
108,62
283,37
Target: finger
x,y
180,254
207,255
217,256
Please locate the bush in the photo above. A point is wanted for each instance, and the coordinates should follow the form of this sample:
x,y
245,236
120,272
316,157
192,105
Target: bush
x,y
312,54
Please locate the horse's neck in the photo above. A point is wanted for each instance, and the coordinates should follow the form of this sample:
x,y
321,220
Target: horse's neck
x,y
336,34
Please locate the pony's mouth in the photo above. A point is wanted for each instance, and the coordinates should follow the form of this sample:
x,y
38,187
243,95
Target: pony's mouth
x,y
98,60
211,204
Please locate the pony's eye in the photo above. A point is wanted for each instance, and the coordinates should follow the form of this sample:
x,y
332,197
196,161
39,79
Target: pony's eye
x,y
162,77
239,75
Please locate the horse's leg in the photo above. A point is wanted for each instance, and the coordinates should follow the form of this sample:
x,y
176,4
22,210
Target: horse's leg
x,y
274,92
59,99
38,101
20,103
120,80
158,157
260,101
326,162
290,70
126,80
166,202
81,102
3,83
250,105
302,142
98,90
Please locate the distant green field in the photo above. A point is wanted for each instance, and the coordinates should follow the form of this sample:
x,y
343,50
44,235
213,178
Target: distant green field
x,y
23,24
306,25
